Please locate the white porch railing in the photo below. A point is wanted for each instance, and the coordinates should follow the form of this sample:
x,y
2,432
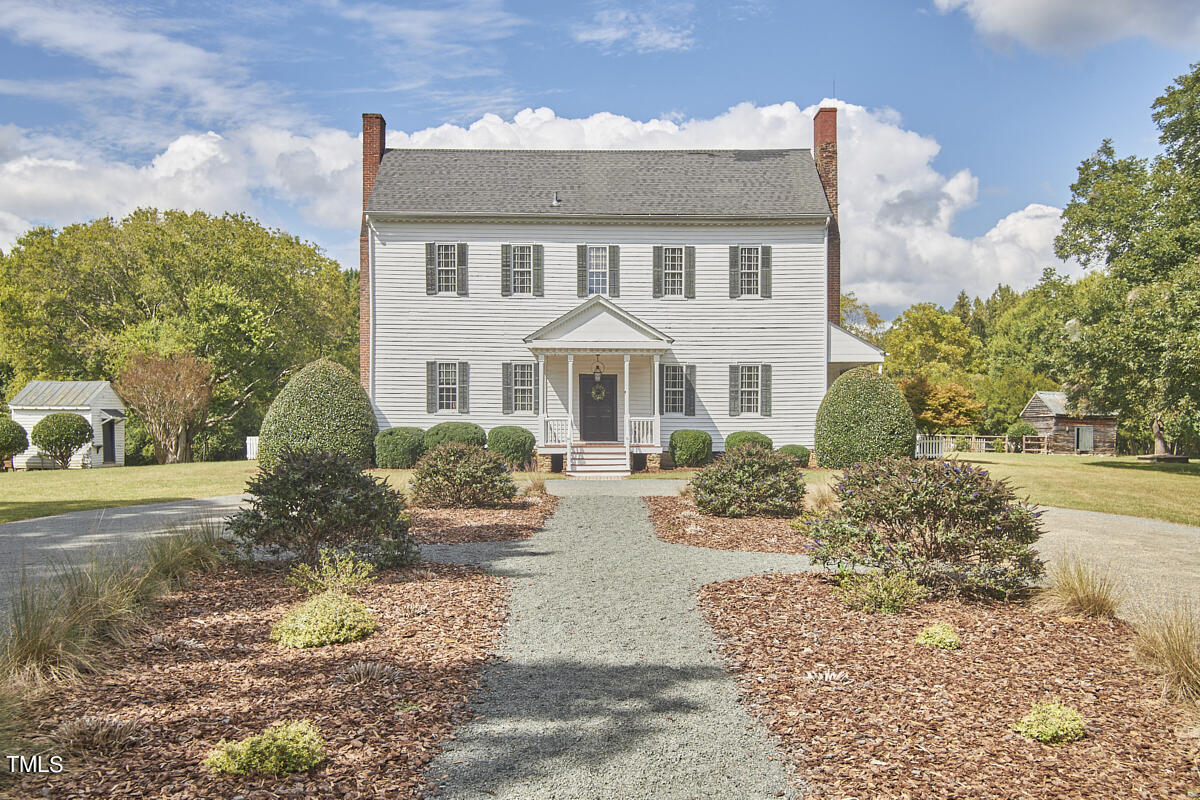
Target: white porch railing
x,y
643,430
555,431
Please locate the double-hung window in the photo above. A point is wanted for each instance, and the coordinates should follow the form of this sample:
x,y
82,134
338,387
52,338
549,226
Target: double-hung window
x,y
523,387
522,269
597,270
447,386
673,388
672,271
749,262
447,268
750,388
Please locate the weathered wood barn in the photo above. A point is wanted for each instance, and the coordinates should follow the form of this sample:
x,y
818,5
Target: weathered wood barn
x,y
1070,433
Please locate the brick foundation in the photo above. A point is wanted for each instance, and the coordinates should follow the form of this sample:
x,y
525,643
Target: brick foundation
x,y
542,462
653,462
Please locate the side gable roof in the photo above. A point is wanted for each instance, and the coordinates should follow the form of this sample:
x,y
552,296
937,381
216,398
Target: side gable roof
x,y
57,394
1056,402
768,184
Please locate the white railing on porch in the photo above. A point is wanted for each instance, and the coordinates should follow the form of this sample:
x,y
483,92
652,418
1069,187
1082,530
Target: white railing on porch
x,y
643,430
555,432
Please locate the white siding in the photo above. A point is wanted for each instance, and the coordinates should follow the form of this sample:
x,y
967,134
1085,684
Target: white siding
x,y
711,331
31,458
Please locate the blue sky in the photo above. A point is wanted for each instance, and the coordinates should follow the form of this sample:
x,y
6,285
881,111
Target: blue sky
x,y
962,120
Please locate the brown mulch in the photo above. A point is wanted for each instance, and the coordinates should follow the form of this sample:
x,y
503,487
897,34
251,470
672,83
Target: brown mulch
x,y
677,520
221,677
916,722
519,519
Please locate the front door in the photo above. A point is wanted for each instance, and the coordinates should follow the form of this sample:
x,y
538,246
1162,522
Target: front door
x,y
109,429
598,408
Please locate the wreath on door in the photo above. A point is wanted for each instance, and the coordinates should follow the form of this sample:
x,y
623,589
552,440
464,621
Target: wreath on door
x,y
598,392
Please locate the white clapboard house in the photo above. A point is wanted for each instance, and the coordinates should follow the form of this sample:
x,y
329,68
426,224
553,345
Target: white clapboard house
x,y
600,298
95,401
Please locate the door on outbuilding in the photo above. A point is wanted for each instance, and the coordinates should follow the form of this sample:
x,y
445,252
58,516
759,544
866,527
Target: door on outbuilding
x,y
1084,438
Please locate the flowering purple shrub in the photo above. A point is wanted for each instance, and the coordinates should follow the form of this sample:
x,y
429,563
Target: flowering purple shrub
x,y
948,525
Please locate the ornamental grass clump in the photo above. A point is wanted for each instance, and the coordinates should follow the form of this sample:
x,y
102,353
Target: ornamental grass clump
x,y
1079,587
457,475
940,635
326,618
877,592
282,748
1168,642
1051,723
947,525
340,572
750,481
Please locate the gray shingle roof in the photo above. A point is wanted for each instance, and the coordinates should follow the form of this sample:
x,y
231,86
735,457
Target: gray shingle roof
x,y
720,183
56,394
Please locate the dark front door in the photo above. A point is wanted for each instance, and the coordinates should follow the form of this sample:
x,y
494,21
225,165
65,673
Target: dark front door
x,y
598,408
109,429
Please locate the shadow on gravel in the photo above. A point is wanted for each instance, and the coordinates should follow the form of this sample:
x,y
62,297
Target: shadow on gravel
x,y
492,557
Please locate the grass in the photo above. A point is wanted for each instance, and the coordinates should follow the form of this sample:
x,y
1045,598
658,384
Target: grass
x,y
1079,587
1168,642
1121,485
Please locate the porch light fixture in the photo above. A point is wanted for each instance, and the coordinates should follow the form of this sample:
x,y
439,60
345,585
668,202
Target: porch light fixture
x,y
598,370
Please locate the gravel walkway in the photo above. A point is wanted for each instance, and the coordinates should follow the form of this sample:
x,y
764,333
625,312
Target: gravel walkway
x,y
610,686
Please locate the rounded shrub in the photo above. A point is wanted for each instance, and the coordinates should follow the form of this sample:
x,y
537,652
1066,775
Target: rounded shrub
x,y
797,451
457,475
940,635
741,438
282,748
512,443
690,448
307,501
327,618
399,448
12,439
462,432
323,408
61,435
1021,428
1051,723
750,481
863,417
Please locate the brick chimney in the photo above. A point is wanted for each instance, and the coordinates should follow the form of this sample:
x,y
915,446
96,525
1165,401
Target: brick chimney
x,y
825,154
373,135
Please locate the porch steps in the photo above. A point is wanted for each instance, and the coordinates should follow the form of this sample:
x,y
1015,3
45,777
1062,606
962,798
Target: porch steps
x,y
598,461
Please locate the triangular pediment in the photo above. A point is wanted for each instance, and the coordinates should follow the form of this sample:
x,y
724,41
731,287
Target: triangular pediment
x,y
598,321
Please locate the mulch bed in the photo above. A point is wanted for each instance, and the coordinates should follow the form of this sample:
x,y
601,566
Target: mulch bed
x,y
220,677
916,722
519,519
677,520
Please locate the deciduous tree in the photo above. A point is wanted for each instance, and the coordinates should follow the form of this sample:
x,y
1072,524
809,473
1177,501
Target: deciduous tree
x,y
172,395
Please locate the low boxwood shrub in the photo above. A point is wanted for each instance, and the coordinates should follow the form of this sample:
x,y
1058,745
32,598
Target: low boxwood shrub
x,y
690,448
457,475
334,571
12,439
879,592
462,432
797,451
323,408
512,443
750,481
1017,433
863,417
399,448
946,524
311,500
940,635
1052,723
741,438
327,618
60,436
282,748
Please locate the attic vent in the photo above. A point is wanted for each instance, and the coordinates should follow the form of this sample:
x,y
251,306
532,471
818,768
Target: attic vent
x,y
554,201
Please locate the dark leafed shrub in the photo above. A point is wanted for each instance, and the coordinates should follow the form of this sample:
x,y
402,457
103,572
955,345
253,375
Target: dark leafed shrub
x,y
462,432
457,475
512,443
797,451
61,435
284,747
310,500
735,440
949,526
690,448
12,439
324,619
750,481
399,448
323,408
863,417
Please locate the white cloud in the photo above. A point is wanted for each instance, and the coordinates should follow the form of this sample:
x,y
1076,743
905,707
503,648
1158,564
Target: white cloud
x,y
1072,25
647,30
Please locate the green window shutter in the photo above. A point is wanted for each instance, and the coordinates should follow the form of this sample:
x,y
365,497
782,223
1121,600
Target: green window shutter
x,y
735,275
464,387
462,269
662,388
764,392
506,371
539,271
689,272
430,387
689,390
764,271
735,391
658,271
537,388
614,270
581,269
431,268
505,270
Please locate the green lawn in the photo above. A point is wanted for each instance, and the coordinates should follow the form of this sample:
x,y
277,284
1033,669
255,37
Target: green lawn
x,y
1123,485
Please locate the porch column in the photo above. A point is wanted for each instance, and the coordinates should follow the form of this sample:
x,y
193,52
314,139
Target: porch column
x,y
541,390
655,404
628,430
570,409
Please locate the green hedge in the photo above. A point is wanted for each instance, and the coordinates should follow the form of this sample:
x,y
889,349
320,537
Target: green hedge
x,y
798,452
690,448
863,418
323,408
742,438
461,432
399,448
512,443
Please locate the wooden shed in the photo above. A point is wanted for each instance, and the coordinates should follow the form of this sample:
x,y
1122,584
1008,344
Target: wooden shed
x,y
1070,433
95,401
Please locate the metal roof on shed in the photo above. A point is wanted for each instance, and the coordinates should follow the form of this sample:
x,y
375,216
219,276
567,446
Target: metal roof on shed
x,y
56,394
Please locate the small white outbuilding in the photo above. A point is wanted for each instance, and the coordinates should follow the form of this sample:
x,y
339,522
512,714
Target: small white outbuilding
x,y
95,401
